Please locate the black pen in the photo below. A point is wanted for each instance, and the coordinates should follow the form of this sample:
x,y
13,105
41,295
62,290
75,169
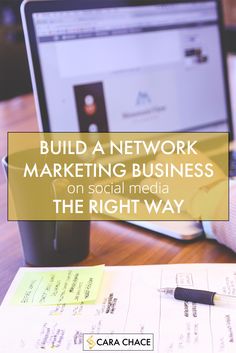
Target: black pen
x,y
199,296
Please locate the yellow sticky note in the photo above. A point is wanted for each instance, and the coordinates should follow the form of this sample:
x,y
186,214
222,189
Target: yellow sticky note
x,y
72,286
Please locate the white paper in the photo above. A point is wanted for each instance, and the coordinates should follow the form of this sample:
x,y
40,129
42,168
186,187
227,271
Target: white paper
x,y
129,302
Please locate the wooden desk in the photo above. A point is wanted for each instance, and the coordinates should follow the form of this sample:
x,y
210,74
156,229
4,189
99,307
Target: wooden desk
x,y
112,243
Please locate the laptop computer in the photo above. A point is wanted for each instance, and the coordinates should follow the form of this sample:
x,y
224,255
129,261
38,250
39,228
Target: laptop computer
x,y
129,65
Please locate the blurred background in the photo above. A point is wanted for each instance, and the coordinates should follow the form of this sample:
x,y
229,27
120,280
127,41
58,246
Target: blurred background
x,y
14,71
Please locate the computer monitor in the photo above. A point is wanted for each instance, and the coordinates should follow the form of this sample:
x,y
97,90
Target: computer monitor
x,y
115,65
129,65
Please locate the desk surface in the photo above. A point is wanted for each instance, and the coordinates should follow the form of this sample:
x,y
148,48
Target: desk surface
x,y
112,243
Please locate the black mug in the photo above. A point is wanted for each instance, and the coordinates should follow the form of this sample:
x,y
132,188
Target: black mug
x,y
53,243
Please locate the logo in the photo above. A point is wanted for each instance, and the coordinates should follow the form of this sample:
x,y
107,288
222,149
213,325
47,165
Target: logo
x,y
143,98
118,342
91,342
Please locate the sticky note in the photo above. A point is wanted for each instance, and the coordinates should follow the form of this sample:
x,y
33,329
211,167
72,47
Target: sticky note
x,y
72,286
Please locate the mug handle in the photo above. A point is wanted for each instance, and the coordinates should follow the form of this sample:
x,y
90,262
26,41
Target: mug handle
x,y
63,236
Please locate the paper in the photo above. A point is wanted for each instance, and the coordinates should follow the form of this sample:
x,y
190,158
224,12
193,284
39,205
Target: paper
x,y
59,287
129,302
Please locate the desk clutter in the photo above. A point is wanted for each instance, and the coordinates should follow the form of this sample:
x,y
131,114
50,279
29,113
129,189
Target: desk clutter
x,y
74,305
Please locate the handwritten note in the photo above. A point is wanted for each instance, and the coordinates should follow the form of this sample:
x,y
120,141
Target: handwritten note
x,y
129,301
70,286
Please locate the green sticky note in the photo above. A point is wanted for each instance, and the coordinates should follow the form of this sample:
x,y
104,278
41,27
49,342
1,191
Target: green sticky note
x,y
72,286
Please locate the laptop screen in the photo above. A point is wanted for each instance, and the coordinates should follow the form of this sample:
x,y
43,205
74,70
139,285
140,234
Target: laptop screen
x,y
138,68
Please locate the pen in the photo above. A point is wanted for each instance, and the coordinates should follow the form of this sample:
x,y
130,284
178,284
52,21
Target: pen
x,y
199,296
